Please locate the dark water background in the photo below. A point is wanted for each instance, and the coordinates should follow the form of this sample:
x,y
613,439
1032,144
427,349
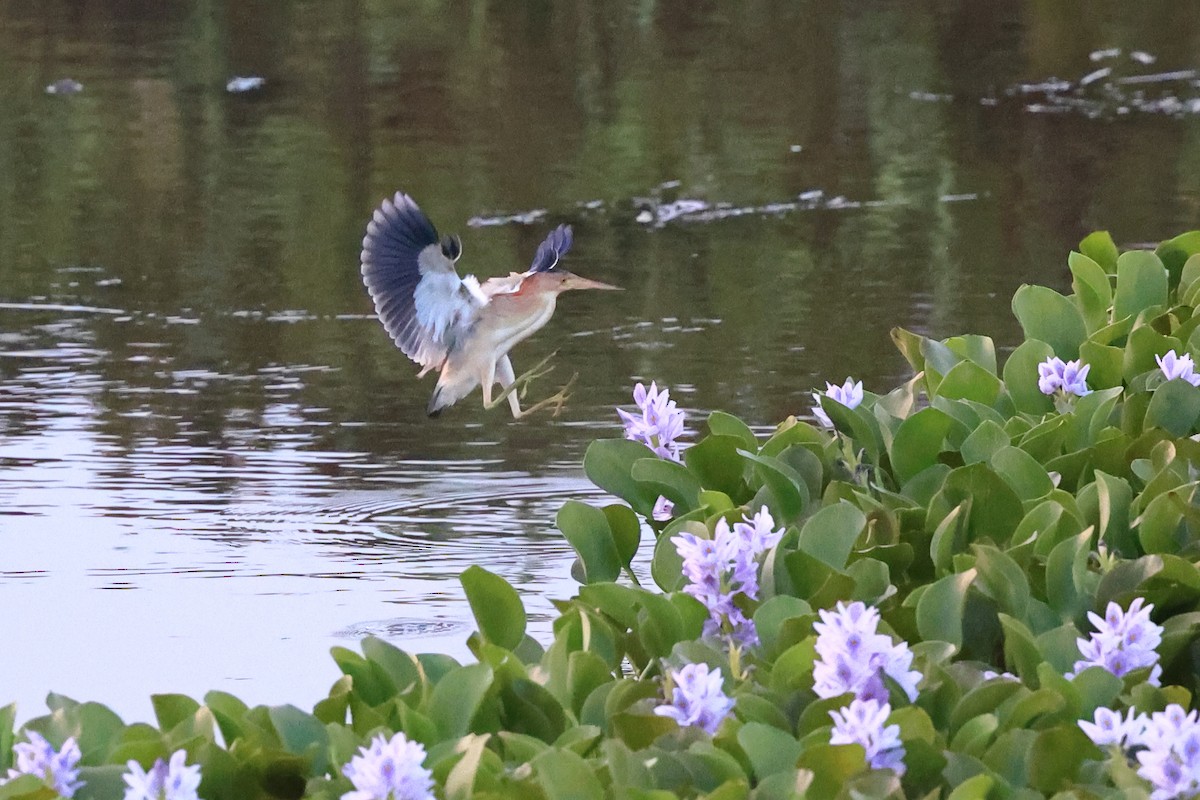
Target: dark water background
x,y
214,465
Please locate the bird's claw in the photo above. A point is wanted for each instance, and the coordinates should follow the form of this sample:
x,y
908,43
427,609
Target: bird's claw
x,y
558,400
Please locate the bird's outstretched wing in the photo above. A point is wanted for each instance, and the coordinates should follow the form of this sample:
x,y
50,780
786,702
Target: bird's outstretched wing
x,y
410,275
554,247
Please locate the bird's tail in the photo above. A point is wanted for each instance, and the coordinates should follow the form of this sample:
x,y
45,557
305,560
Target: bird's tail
x,y
449,391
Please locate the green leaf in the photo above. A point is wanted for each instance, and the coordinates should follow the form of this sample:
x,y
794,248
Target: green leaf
x,y
1175,253
302,734
460,783
722,424
1022,472
831,766
626,531
172,709
918,442
1066,571
1174,407
967,380
457,697
1092,290
983,442
830,534
563,775
1021,377
1047,316
769,749
1141,283
1101,248
587,529
940,609
609,464
788,487
669,479
1056,757
1002,579
715,461
496,605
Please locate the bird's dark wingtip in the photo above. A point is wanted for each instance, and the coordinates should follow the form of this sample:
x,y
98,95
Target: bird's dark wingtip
x,y
552,249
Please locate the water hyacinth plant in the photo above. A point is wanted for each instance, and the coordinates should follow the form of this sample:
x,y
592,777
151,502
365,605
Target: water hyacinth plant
x,y
167,780
389,769
999,600
849,394
57,769
697,698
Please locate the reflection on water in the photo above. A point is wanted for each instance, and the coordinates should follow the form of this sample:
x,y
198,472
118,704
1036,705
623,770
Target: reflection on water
x,y
192,386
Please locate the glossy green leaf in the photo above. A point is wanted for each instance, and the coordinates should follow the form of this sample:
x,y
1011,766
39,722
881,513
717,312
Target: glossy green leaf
x,y
769,749
918,442
1175,407
1141,283
1099,247
457,697
716,463
587,529
1047,316
940,609
609,464
1021,377
830,534
669,479
722,424
496,605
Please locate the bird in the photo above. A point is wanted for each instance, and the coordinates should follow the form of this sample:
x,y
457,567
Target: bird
x,y
459,326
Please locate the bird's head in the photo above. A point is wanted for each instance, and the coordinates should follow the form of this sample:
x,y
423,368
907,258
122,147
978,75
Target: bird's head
x,y
560,280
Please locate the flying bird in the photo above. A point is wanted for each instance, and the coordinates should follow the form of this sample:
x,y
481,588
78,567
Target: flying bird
x,y
459,326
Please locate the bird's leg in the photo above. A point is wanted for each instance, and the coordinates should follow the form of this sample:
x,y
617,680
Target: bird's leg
x,y
512,386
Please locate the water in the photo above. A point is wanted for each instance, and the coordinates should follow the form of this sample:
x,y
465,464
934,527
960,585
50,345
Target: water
x,y
214,465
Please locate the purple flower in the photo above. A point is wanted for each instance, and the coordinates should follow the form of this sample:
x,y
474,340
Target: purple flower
x,y
1181,367
849,394
164,781
1110,728
1070,377
697,699
854,658
664,509
1124,641
658,424
389,770
864,722
58,769
720,568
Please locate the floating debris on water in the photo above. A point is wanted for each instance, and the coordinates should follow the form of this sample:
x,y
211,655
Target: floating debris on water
x,y
249,83
1096,75
521,218
65,86
1100,55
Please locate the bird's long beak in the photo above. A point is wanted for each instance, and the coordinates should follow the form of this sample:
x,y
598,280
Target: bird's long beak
x,y
577,282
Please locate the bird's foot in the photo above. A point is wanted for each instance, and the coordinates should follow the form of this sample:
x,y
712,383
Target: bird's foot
x,y
557,400
520,386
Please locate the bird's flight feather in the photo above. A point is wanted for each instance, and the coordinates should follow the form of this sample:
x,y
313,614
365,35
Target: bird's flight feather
x,y
410,274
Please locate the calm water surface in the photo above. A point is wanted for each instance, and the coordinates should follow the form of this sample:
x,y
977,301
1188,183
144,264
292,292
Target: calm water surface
x,y
214,465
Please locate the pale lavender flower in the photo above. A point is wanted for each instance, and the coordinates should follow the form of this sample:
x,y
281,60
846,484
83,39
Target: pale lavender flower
x,y
697,699
849,394
720,568
864,722
389,770
1070,377
58,769
664,509
1124,641
1171,760
1109,728
854,657
1181,367
658,424
172,780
